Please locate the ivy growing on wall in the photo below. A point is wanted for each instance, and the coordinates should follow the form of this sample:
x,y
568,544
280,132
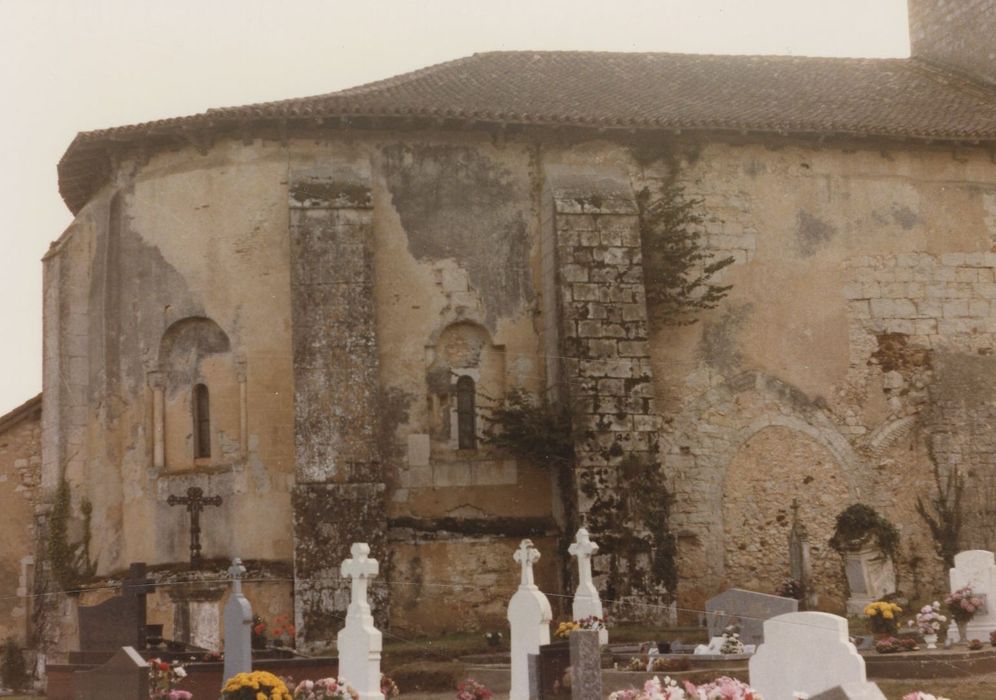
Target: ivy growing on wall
x,y
70,563
677,269
532,429
946,519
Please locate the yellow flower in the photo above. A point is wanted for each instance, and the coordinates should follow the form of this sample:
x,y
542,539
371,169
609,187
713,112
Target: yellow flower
x,y
887,614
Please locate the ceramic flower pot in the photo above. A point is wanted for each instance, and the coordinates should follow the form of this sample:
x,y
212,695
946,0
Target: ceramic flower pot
x,y
930,640
962,631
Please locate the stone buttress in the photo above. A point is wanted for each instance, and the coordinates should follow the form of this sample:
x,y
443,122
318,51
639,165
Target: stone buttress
x,y
606,373
339,494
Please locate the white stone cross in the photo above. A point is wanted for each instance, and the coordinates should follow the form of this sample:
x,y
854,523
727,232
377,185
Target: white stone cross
x,y
237,571
529,616
526,555
586,600
360,569
359,642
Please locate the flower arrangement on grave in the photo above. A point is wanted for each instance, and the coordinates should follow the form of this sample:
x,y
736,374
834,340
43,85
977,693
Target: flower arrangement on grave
x,y
212,657
894,645
388,688
325,689
162,677
791,588
493,638
258,639
731,644
963,604
472,690
723,688
920,695
258,685
671,665
591,622
975,644
929,620
653,689
882,616
283,629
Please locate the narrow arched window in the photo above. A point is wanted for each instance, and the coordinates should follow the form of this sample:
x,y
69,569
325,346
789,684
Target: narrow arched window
x,y
202,422
466,414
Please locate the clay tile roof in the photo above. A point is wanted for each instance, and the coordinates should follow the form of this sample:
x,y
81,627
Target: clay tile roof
x,y
30,408
893,98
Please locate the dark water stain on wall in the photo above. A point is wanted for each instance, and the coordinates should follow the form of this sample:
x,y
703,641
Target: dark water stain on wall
x,y
811,233
904,217
719,344
454,202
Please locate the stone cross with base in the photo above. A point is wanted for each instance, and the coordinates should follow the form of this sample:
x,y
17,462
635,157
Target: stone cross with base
x,y
238,625
195,502
529,616
586,600
359,642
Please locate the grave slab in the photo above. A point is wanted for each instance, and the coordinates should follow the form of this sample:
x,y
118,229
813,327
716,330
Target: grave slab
x,y
119,621
124,677
852,691
586,665
804,652
748,609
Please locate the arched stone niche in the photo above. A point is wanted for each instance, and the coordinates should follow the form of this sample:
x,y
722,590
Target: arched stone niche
x,y
714,434
774,467
199,398
465,376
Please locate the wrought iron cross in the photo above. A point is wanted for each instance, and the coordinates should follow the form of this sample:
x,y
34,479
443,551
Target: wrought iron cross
x,y
195,502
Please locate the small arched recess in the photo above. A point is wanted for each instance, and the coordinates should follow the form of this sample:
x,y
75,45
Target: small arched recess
x,y
198,398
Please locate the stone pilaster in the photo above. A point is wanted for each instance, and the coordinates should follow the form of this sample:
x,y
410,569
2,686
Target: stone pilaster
x,y
607,372
339,493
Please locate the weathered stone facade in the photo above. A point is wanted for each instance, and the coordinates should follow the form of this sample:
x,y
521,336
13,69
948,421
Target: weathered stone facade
x,y
354,294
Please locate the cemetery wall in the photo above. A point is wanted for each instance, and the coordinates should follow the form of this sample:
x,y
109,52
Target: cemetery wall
x,y
20,468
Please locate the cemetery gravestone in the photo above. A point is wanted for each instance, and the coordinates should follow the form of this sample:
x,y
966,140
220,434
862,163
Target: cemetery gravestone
x,y
124,677
359,642
852,691
805,652
238,626
747,609
870,576
529,616
586,600
120,621
977,568
586,665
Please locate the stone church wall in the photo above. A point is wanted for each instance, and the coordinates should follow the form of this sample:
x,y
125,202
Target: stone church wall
x,y
20,471
363,280
821,372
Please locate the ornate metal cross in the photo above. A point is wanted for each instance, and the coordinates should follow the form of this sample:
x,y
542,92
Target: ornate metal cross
x,y
195,502
526,555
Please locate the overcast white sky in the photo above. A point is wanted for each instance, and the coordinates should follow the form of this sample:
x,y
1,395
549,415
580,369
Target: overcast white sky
x,y
75,65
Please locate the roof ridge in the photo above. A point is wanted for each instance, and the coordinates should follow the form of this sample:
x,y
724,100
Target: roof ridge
x,y
945,75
